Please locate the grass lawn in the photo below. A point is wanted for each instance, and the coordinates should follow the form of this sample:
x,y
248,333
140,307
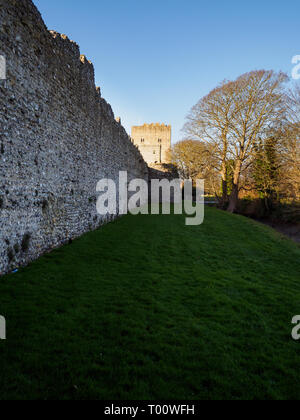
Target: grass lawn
x,y
148,308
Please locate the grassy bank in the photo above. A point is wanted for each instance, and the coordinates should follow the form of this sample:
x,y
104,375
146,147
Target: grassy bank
x,y
147,308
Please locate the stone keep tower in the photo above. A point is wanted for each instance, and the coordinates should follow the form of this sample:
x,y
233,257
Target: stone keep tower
x,y
153,141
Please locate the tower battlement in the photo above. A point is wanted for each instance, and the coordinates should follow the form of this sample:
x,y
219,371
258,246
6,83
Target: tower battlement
x,y
153,126
153,141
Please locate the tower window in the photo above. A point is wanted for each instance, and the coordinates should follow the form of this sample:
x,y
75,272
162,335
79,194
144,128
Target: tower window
x,y
159,140
142,140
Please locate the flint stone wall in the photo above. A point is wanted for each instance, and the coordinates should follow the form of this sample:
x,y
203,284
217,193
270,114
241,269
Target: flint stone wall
x,y
58,138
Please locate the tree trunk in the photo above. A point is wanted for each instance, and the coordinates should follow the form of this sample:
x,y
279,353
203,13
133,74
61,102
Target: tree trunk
x,y
267,204
224,184
234,197
224,191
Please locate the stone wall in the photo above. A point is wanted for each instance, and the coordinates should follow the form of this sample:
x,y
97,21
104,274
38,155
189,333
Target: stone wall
x,y
58,138
154,142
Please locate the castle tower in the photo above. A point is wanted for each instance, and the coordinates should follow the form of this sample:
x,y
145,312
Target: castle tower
x,y
153,141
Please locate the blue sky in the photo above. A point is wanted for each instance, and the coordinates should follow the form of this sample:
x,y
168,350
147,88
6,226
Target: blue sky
x,y
154,59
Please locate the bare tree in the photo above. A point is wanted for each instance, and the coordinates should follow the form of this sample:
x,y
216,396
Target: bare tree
x,y
232,118
209,120
194,160
259,105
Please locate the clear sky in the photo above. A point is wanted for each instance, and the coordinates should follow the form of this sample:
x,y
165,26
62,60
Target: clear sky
x,y
154,59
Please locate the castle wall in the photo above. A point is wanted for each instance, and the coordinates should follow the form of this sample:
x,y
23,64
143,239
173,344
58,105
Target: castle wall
x,y
58,138
153,141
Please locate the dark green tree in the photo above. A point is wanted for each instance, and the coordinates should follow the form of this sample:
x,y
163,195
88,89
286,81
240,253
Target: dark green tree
x,y
266,170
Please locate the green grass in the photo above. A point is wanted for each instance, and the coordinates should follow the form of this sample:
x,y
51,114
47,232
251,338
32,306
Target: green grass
x,y
147,308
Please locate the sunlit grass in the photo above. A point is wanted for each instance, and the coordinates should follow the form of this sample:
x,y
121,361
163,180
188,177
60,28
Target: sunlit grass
x,y
148,308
